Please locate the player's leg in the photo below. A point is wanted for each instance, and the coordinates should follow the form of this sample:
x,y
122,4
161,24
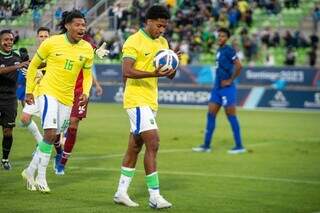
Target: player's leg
x,y
26,120
229,96
150,137
6,147
127,171
8,116
213,109
71,137
77,114
49,117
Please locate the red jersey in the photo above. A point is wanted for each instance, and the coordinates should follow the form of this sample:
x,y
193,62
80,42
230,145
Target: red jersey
x,y
78,88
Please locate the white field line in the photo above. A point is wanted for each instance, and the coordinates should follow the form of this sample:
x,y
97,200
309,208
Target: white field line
x,y
199,174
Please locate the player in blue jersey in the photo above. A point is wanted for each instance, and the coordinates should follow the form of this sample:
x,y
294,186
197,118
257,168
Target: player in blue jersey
x,y
224,94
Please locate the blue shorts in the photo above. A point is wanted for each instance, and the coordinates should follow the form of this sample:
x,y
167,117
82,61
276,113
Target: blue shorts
x,y
21,92
225,96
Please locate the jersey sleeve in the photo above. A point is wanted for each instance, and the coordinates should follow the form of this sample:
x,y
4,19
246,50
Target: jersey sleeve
x,y
232,54
129,49
41,54
87,74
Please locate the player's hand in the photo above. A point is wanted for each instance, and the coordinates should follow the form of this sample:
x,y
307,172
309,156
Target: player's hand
x,y
102,51
23,71
38,77
24,64
29,99
225,83
179,54
83,100
163,73
99,90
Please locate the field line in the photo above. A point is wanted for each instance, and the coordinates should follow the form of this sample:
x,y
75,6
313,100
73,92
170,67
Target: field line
x,y
199,174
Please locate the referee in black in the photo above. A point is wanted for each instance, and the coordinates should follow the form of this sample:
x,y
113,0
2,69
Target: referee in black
x,y
10,65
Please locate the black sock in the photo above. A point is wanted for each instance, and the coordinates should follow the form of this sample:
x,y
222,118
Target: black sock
x,y
6,146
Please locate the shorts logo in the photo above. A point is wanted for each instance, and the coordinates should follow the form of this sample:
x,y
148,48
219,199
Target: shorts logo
x,y
152,121
224,100
54,121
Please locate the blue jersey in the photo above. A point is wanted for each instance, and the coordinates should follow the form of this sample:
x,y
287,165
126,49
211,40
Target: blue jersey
x,y
21,78
225,58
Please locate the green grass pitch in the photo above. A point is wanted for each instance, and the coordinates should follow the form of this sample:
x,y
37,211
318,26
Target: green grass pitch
x,y
280,173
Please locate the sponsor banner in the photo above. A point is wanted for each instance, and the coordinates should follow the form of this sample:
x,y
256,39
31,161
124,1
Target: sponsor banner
x,y
205,75
168,95
290,99
269,75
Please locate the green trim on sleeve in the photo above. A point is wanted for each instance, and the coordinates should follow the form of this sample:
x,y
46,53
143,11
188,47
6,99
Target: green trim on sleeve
x,y
39,56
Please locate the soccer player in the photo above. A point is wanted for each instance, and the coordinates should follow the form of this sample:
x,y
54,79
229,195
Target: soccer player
x,y
140,101
10,63
77,114
66,54
224,94
26,118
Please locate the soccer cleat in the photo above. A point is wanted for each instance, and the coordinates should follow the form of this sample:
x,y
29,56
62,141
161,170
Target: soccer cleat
x,y
123,198
56,161
201,148
237,150
42,185
158,202
6,164
59,169
31,186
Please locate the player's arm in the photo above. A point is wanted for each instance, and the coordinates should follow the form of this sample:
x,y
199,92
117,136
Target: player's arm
x,y
237,69
129,71
41,54
5,70
96,83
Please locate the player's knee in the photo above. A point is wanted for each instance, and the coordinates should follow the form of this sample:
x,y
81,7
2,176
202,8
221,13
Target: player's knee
x,y
50,136
25,120
7,132
153,145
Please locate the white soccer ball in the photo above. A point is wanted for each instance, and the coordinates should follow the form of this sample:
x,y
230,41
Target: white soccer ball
x,y
166,58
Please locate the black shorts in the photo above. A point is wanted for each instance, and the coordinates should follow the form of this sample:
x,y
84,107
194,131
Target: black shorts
x,y
8,114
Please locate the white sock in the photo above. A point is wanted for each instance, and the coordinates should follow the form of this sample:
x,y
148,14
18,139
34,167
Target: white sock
x,y
33,166
124,181
33,128
154,192
43,164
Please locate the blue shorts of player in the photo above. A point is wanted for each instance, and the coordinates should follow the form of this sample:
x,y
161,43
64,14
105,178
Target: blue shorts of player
x,y
224,96
20,92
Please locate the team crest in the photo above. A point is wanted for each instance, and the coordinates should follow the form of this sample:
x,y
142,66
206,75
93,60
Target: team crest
x,y
152,121
54,121
81,58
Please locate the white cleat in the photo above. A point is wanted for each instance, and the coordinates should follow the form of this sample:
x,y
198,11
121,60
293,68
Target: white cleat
x,y
42,186
201,149
123,198
237,151
31,186
158,202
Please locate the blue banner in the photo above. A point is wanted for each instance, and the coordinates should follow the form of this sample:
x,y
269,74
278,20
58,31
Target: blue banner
x,y
168,95
290,99
205,75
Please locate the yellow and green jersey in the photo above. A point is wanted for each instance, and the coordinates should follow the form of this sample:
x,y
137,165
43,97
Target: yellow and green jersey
x,y
142,48
64,62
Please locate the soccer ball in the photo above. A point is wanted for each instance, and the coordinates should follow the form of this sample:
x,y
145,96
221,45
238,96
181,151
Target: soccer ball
x,y
166,58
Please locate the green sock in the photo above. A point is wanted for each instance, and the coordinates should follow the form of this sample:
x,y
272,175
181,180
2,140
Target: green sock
x,y
45,147
153,180
129,172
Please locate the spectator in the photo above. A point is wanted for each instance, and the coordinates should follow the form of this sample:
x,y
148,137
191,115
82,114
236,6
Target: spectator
x,y
290,57
316,18
314,39
36,18
313,56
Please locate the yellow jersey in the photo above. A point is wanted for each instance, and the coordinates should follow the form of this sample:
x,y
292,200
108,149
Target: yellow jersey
x,y
142,48
64,62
